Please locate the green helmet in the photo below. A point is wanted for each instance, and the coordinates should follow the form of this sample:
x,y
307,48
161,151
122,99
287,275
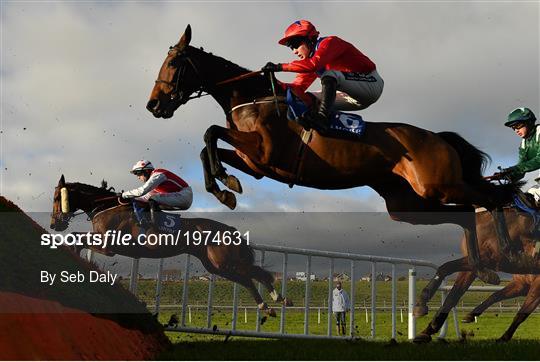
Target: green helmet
x,y
520,115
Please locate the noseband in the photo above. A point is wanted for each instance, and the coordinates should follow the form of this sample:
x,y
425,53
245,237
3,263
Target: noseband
x,y
180,71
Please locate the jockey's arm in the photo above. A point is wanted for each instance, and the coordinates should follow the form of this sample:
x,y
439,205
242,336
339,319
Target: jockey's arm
x,y
153,182
325,54
524,165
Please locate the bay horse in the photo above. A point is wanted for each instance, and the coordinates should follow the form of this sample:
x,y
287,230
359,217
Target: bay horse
x,y
522,230
100,204
424,177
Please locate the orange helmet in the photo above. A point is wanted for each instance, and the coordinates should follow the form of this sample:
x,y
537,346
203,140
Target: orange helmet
x,y
300,28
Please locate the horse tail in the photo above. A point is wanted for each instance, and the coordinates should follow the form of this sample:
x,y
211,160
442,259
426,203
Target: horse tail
x,y
473,160
474,163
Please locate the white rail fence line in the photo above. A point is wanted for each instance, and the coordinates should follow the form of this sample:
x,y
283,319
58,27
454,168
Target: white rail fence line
x,y
286,251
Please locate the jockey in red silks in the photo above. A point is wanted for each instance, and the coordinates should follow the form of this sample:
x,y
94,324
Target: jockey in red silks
x,y
160,187
349,78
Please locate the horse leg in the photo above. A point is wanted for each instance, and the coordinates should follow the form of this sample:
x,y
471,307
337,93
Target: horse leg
x,y
247,283
529,305
266,279
462,283
512,290
235,276
421,308
248,143
225,197
406,204
232,158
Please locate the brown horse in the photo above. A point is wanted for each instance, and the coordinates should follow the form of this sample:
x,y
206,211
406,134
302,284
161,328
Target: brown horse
x,y
418,173
528,286
522,231
232,262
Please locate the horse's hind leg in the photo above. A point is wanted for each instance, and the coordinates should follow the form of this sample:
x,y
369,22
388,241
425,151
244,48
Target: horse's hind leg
x,y
421,308
512,290
462,283
529,305
404,203
247,283
266,279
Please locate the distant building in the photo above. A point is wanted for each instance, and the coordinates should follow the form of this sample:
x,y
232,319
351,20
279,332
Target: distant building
x,y
342,277
171,275
302,276
380,278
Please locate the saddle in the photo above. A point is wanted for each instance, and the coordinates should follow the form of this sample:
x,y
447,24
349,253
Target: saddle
x,y
341,123
526,202
161,218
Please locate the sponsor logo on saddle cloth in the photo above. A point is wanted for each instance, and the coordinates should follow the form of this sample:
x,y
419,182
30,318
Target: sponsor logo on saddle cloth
x,y
341,121
168,222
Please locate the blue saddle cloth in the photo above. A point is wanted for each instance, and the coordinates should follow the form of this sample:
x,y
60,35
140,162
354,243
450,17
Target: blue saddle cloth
x,y
167,222
340,121
535,214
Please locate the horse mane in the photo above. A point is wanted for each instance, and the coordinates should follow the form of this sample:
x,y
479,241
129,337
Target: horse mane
x,y
93,190
227,69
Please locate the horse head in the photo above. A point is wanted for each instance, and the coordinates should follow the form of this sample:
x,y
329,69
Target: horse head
x,y
70,197
61,206
178,79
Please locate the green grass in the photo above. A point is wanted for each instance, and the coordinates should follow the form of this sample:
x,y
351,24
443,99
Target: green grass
x,y
198,293
491,325
479,345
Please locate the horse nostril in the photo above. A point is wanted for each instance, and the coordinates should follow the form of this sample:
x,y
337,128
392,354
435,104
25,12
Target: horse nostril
x,y
152,104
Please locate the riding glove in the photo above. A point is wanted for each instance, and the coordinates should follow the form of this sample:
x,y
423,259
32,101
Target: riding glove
x,y
271,67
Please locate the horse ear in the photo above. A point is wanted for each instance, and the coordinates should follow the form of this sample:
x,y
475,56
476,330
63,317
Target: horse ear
x,y
185,38
103,184
62,181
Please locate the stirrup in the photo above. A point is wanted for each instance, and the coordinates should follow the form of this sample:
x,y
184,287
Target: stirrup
x,y
318,122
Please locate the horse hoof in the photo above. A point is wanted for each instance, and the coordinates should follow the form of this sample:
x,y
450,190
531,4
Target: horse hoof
x,y
489,277
271,312
503,339
227,198
233,184
469,318
422,338
420,310
287,302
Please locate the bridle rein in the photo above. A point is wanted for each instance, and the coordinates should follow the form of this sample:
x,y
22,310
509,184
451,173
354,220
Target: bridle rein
x,y
203,88
180,71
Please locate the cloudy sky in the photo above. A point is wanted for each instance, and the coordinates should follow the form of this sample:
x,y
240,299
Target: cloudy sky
x,y
76,77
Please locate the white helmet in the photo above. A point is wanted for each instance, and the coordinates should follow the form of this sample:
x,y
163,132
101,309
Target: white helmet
x,y
141,166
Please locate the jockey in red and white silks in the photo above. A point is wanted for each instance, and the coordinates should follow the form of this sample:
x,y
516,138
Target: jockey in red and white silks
x,y
161,186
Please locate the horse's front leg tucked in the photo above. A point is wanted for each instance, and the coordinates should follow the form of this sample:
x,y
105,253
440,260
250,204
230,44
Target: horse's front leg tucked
x,y
224,196
247,142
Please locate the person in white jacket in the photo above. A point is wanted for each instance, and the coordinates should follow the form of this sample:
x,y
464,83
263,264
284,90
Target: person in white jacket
x,y
340,307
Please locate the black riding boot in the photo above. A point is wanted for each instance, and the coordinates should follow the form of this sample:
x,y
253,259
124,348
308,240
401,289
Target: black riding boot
x,y
153,209
321,119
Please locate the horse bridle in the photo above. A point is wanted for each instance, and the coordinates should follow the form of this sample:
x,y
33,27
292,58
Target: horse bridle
x,y
67,216
180,71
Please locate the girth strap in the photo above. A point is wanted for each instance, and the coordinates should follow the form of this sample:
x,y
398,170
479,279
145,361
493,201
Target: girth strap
x,y
305,136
